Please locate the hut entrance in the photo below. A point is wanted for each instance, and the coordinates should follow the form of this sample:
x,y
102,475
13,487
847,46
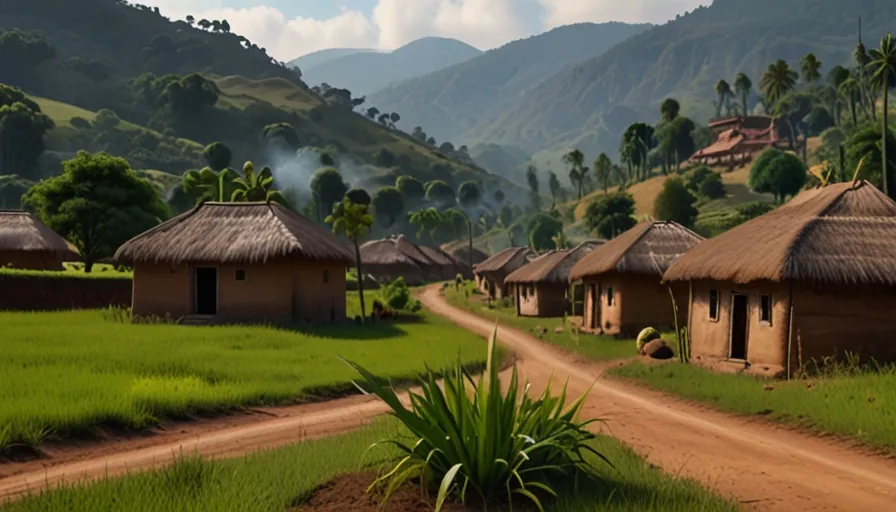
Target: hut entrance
x,y
206,291
739,315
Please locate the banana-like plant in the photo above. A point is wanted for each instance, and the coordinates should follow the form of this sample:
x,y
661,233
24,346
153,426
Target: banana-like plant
x,y
256,186
208,185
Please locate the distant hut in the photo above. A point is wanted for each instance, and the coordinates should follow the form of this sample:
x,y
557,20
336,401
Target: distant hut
x,y
462,255
490,274
27,243
239,261
623,279
446,266
396,256
541,287
811,279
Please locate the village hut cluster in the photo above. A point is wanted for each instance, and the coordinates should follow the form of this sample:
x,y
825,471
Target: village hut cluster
x,y
541,287
396,256
491,274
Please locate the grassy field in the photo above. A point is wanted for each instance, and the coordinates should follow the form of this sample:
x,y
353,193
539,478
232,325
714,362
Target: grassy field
x,y
282,479
861,406
72,270
65,372
590,346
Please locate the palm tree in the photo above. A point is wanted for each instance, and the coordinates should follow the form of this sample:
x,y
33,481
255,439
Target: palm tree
x,y
576,160
743,85
862,60
882,67
602,169
777,81
208,185
810,67
254,186
723,89
427,220
849,91
354,221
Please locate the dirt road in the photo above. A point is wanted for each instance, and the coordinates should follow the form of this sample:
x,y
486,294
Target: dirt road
x,y
764,467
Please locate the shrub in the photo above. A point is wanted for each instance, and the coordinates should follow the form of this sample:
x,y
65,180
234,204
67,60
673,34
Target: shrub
x,y
80,123
469,438
675,203
712,186
396,294
384,158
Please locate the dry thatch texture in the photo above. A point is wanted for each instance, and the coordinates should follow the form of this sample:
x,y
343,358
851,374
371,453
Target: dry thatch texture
x,y
505,261
447,266
236,233
552,267
393,250
840,234
648,248
21,231
462,254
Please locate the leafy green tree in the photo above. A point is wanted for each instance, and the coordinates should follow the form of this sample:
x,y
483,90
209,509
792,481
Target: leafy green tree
x,y
384,158
97,203
777,172
21,52
256,186
419,134
637,141
849,91
327,189
353,221
359,196
676,140
712,187
603,168
412,190
429,220
534,186
282,136
218,156
675,203
388,205
372,113
469,195
576,160
555,188
440,194
189,95
836,77
669,110
743,86
106,120
542,230
22,130
810,67
695,177
882,66
610,214
723,90
864,146
777,80
819,119
12,188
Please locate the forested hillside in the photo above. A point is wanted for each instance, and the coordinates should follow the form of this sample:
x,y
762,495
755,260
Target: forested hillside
x,y
589,105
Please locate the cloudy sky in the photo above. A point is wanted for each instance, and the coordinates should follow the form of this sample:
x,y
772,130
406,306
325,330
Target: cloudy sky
x,y
290,28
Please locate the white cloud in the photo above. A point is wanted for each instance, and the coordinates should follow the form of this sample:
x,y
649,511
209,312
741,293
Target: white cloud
x,y
565,12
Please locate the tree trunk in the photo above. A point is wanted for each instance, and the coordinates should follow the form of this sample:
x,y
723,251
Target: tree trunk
x,y
360,280
883,148
744,101
88,263
470,235
852,104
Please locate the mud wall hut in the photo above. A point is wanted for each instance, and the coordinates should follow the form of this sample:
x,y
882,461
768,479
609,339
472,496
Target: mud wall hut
x,y
812,279
27,243
239,262
541,287
624,292
491,273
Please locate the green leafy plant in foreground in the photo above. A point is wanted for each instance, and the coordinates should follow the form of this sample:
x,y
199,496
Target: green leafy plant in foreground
x,y
468,437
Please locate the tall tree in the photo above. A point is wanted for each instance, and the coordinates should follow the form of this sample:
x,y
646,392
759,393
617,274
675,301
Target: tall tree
x,y
373,113
282,136
602,169
534,187
810,67
610,214
97,203
388,205
22,130
836,77
882,67
862,59
777,81
849,91
576,160
669,110
724,93
440,194
777,172
744,86
412,191
428,220
327,189
555,188
218,156
353,221
469,196
675,203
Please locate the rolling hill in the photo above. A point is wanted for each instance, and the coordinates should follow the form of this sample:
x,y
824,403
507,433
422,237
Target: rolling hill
x,y
366,72
589,105
312,59
449,102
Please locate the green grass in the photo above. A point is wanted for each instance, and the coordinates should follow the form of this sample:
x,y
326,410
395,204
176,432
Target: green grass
x,y
100,271
282,479
66,372
861,406
590,346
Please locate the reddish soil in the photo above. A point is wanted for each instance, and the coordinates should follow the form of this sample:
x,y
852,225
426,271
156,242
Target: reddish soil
x,y
349,493
763,466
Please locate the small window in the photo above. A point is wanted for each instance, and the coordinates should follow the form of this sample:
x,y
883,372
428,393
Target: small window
x,y
713,304
765,308
610,296
239,275
326,276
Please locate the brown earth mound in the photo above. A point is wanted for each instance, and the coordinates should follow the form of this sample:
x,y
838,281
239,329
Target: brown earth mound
x,y
349,493
658,349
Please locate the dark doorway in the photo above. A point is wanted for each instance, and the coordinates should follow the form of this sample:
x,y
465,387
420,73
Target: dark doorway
x,y
739,315
516,296
206,291
595,307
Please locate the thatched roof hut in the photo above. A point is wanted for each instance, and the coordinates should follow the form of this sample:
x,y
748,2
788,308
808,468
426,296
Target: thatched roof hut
x,y
26,242
821,269
490,274
446,264
542,285
247,261
628,269
462,254
396,256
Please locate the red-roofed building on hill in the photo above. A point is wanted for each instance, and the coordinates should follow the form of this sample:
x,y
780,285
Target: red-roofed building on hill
x,y
739,139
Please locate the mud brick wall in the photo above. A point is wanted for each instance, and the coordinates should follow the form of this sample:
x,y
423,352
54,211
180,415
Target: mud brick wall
x,y
33,293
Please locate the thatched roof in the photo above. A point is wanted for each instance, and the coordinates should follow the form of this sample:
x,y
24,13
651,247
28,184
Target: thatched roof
x,y
839,234
393,250
648,248
21,231
462,254
235,233
507,260
552,267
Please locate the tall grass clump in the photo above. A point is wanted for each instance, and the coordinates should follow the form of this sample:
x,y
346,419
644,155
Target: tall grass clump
x,y
471,438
